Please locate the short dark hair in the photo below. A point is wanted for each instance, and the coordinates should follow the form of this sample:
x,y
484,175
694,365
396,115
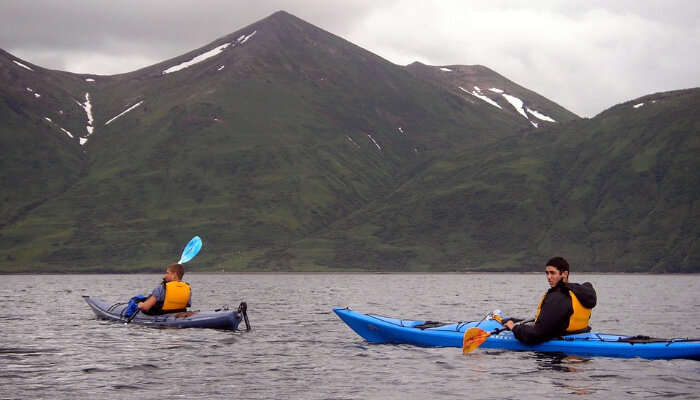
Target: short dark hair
x,y
178,269
558,263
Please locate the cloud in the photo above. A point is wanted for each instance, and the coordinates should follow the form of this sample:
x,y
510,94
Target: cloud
x,y
585,59
585,55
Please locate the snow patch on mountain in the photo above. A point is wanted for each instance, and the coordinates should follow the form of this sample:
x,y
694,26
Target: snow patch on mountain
x,y
30,90
22,65
352,141
517,104
244,38
87,106
89,80
67,133
374,141
206,55
638,105
124,112
478,94
50,121
539,115
445,69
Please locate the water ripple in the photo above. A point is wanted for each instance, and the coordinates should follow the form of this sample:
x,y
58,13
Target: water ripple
x,y
55,348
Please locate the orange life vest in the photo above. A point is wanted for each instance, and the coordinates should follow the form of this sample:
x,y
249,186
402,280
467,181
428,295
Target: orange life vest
x,y
177,295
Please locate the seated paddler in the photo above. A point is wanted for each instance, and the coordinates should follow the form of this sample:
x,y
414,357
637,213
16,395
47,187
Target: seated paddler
x,y
173,295
564,309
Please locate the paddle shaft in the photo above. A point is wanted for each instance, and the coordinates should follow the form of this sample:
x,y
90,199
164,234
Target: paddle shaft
x,y
133,315
499,330
475,337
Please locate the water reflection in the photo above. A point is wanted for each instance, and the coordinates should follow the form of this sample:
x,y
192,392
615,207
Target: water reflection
x,y
559,362
578,384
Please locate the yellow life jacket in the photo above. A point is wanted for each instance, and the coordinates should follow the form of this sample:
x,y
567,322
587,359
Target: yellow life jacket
x,y
578,320
177,294
539,306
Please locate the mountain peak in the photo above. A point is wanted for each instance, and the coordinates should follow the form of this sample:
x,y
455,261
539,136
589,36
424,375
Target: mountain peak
x,y
281,14
280,22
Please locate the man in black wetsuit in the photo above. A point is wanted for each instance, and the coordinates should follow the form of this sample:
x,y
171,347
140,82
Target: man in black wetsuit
x,y
564,309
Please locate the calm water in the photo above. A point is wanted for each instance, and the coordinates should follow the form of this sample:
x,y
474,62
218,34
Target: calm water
x,y
53,347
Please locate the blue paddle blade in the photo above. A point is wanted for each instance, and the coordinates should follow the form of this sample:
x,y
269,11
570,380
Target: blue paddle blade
x,y
191,250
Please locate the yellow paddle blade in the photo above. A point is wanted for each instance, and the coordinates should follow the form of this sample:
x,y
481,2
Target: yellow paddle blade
x,y
473,338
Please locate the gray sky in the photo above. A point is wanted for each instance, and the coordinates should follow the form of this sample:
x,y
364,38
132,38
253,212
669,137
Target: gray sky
x,y
585,55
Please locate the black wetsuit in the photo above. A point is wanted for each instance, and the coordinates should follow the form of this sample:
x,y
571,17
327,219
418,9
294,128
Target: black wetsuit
x,y
555,312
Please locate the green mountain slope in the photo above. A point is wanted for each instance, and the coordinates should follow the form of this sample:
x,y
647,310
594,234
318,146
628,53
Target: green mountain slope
x,y
618,192
39,114
284,131
288,148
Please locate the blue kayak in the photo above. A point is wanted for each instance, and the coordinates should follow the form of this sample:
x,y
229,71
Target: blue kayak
x,y
220,319
379,329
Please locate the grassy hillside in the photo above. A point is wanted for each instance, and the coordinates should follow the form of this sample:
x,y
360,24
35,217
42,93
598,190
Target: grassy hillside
x,y
298,130
39,160
618,192
293,149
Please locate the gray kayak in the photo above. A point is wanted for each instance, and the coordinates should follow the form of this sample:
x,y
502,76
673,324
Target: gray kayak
x,y
219,319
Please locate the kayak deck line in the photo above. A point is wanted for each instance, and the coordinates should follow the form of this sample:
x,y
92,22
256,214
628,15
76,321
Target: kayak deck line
x,y
421,326
639,339
380,329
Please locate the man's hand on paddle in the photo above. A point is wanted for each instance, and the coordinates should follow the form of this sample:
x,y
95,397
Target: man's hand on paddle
x,y
148,303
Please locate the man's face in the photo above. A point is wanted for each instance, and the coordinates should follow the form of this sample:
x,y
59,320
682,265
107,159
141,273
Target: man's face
x,y
554,276
170,276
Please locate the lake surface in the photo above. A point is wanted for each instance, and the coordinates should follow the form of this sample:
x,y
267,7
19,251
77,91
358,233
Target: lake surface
x,y
53,346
